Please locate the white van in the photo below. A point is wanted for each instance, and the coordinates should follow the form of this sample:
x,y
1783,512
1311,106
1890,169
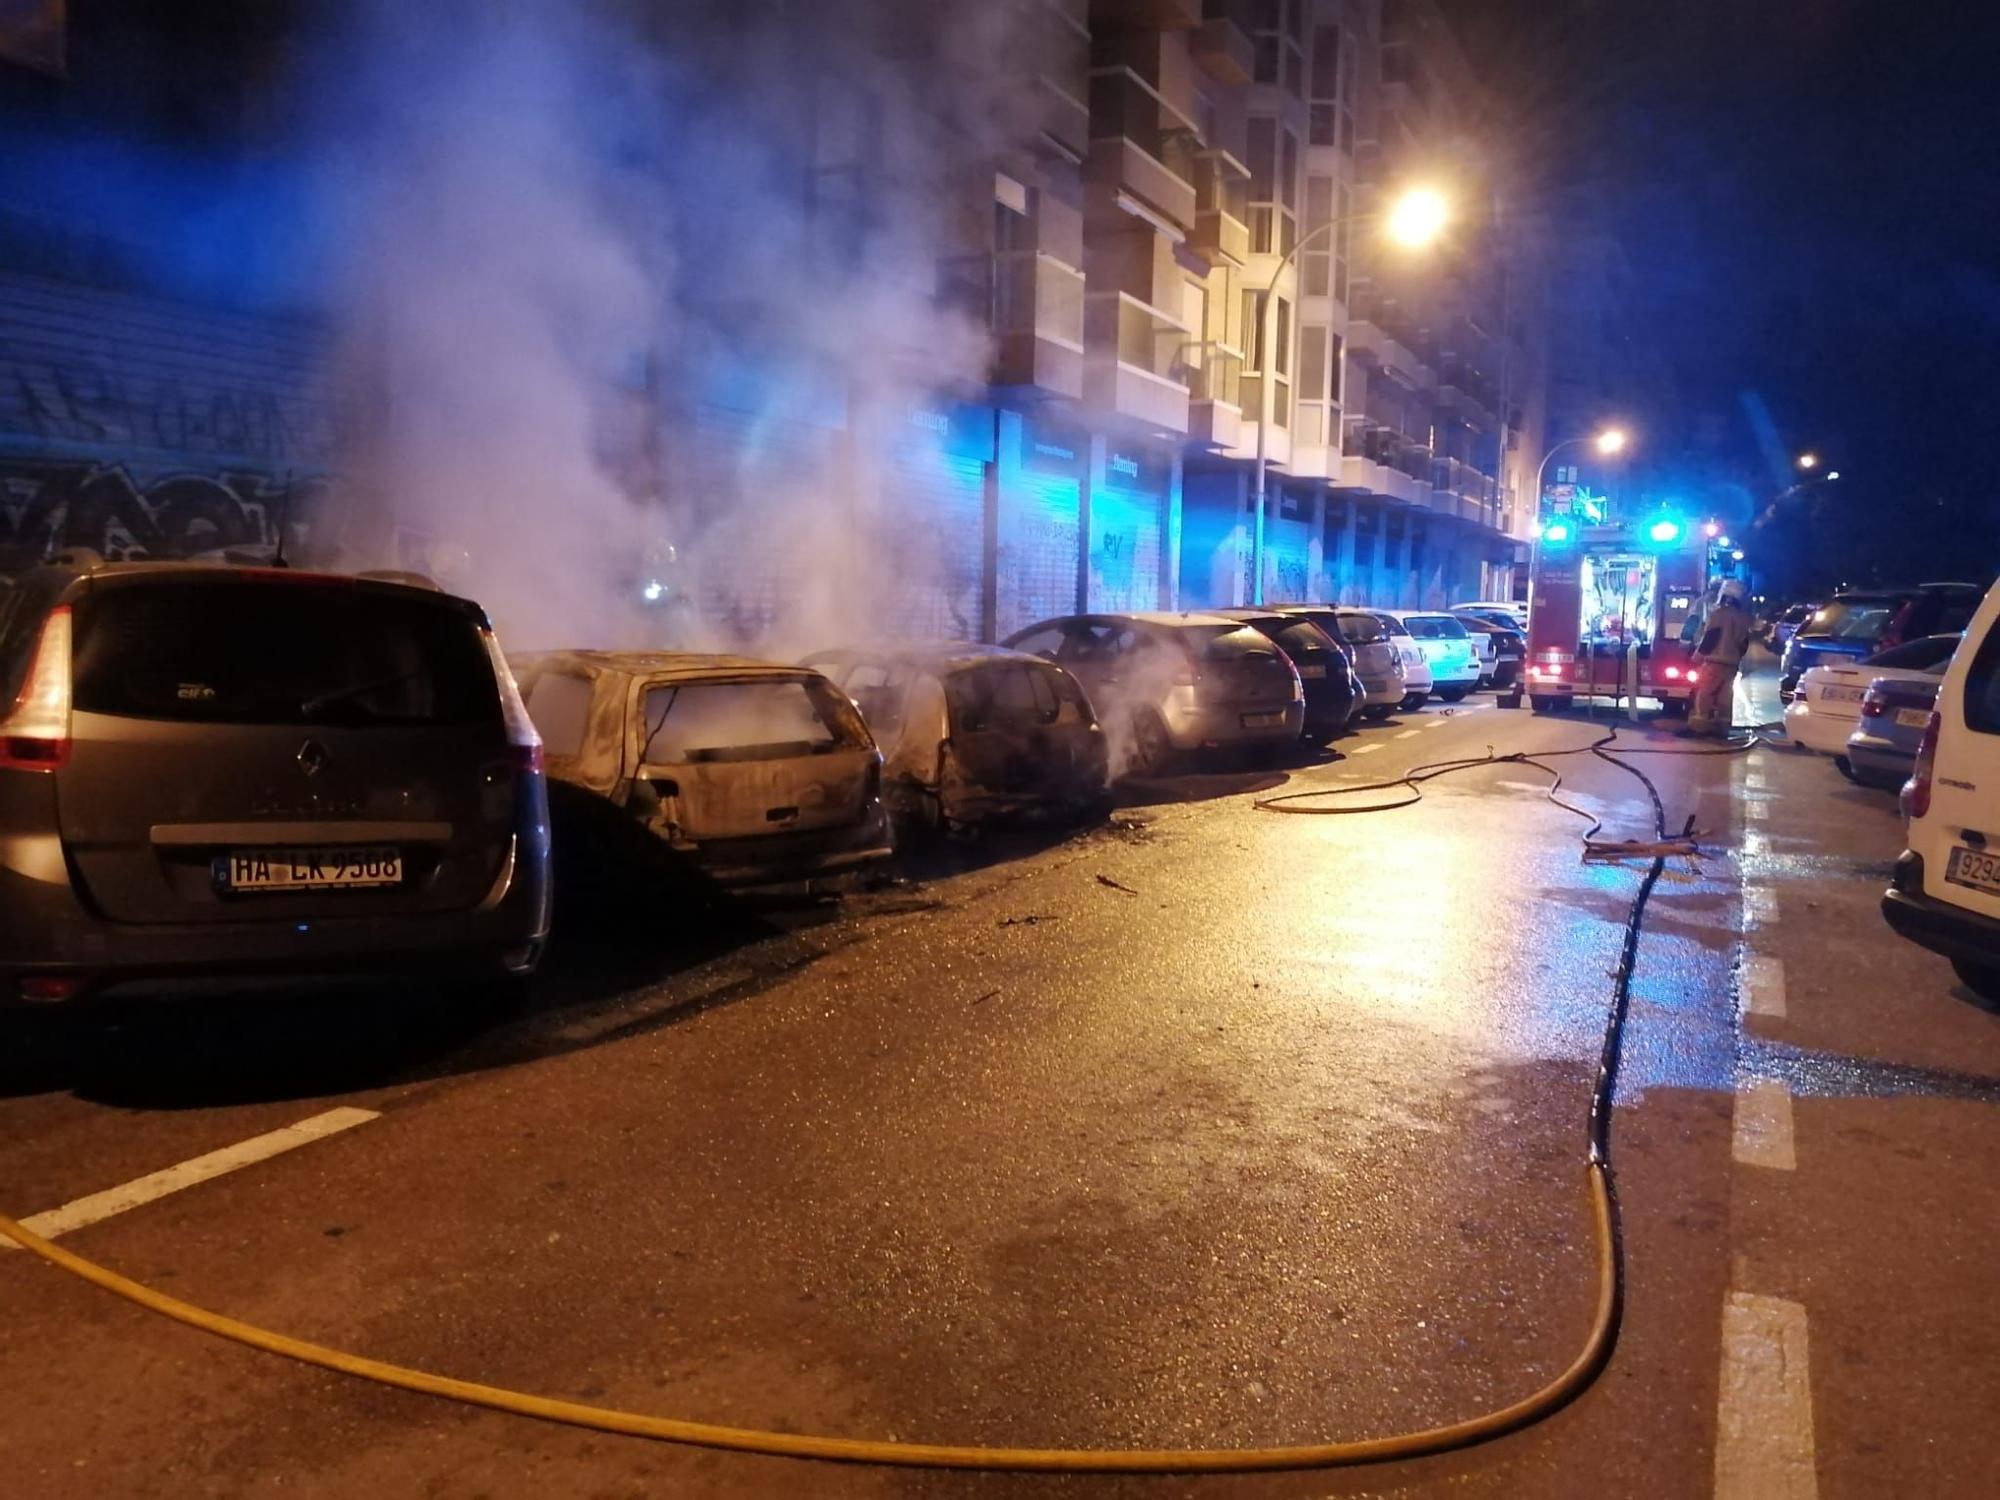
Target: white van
x,y
1945,893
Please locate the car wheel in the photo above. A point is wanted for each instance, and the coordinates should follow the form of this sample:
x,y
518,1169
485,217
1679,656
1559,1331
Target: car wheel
x,y
1412,702
1152,750
1376,712
1982,979
1454,694
1846,768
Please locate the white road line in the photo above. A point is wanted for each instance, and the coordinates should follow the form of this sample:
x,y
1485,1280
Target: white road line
x,y
86,1211
1763,985
1764,1430
1761,1135
1407,734
1754,780
1756,809
1760,906
1366,749
1430,723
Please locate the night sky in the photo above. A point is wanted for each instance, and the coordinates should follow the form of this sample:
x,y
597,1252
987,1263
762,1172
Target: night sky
x,y
1808,192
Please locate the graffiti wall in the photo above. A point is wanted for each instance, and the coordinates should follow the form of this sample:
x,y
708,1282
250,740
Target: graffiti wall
x,y
139,428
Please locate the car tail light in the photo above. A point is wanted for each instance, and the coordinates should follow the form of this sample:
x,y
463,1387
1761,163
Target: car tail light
x,y
1916,796
1672,674
35,736
524,745
49,987
1873,705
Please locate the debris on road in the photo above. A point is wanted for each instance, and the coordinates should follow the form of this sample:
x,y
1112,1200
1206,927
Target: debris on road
x,y
1031,920
990,994
1115,885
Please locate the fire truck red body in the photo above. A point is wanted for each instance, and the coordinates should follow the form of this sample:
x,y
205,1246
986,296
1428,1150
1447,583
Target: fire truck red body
x,y
1612,612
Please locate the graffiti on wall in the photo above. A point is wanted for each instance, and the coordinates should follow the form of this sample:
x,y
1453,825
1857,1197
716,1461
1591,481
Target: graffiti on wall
x,y
81,403
50,504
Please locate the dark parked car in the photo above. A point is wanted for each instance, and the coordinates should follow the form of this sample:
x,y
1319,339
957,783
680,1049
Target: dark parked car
x,y
1853,625
973,734
1166,683
1506,648
1334,695
754,773
1368,647
258,772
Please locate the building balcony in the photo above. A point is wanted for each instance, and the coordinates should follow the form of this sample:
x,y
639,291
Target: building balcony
x,y
1133,362
1159,15
1215,424
1033,303
1215,377
1359,472
1221,236
1223,49
1375,346
1119,167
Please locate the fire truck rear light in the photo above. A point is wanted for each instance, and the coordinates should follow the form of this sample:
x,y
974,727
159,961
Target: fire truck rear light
x,y
49,987
1673,674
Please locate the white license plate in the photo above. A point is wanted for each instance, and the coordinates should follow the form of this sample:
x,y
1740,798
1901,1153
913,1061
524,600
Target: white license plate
x,y
1262,721
1977,868
1913,718
308,869
1308,673
1841,694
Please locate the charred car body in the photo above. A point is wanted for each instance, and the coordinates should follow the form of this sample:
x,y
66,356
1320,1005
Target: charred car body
x,y
754,773
974,734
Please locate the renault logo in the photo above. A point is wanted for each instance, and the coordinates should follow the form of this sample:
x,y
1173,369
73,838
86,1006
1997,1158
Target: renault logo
x,y
312,757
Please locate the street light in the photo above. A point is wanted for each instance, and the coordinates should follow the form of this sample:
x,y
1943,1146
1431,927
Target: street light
x,y
1414,221
1610,441
1808,460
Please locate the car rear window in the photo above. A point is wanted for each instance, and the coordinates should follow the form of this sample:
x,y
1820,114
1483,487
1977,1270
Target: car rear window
x,y
1362,630
1982,685
282,652
1007,696
1391,625
1303,638
688,722
1435,628
1226,643
1856,619
1930,653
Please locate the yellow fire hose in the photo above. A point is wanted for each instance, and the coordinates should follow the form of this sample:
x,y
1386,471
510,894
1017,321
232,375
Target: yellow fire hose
x,y
909,1455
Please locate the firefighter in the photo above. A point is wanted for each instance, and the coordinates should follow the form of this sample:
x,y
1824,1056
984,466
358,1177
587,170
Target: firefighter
x,y
1716,659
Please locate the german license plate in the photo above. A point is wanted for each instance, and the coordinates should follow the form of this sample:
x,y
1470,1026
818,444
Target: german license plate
x,y
308,869
1913,718
1978,869
1311,672
1262,721
1837,694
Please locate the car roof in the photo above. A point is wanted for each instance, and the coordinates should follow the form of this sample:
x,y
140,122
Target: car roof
x,y
82,566
935,657
684,665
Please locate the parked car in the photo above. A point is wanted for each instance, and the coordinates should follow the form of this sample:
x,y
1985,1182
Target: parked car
x,y
1334,695
1369,648
1418,680
1509,612
1945,893
1164,683
1787,622
752,772
1853,625
258,772
1826,706
1502,648
1447,646
1882,750
974,734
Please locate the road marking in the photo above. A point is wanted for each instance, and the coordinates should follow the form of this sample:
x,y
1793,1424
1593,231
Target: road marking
x,y
1756,809
1432,723
1754,780
1764,1432
1760,906
1763,985
1761,1134
86,1211
1366,749
1407,734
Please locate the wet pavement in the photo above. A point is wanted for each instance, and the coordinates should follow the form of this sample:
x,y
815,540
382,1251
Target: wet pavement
x,y
1212,1127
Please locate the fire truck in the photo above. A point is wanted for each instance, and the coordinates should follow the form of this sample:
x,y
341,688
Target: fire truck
x,y
1614,611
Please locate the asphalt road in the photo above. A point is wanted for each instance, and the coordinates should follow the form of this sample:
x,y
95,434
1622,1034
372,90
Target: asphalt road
x,y
1213,1127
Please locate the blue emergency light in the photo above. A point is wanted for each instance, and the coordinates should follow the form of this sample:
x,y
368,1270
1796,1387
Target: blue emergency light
x,y
1664,530
1556,531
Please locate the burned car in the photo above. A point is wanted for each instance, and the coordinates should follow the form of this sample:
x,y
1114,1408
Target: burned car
x,y
975,734
754,773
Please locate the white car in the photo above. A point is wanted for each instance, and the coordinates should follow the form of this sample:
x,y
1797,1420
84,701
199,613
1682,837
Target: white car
x,y
1448,646
1516,612
1417,680
1945,893
1826,707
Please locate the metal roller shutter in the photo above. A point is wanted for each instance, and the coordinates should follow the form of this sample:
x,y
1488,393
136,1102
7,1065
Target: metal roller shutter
x,y
931,540
1038,550
1125,547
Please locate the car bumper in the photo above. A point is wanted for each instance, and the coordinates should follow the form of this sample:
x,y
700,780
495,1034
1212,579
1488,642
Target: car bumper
x,y
1880,757
1817,731
782,858
1383,690
1937,925
1211,728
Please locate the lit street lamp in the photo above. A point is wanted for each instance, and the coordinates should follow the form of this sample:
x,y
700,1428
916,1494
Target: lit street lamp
x,y
1808,460
1609,442
1414,221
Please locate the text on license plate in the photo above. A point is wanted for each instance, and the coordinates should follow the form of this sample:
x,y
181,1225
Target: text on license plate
x,y
1977,868
1262,721
1913,718
1840,694
307,869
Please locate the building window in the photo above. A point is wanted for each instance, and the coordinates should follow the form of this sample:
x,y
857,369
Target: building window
x,y
1267,59
1318,260
1326,62
1323,125
1312,362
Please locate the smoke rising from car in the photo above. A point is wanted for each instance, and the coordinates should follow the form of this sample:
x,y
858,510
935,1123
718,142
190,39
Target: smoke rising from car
x,y
641,313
